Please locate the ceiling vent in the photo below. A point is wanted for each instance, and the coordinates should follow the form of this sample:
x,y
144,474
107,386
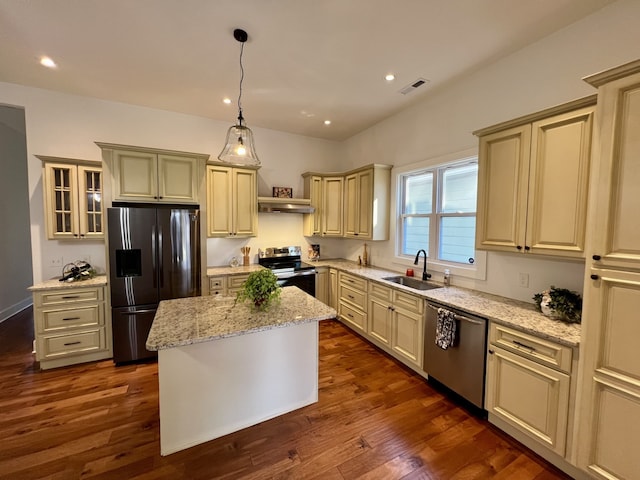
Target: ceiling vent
x,y
413,86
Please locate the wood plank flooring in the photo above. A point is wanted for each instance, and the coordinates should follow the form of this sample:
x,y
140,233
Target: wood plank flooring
x,y
375,419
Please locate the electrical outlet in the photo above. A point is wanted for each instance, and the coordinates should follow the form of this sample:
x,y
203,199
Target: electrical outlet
x,y
55,262
523,280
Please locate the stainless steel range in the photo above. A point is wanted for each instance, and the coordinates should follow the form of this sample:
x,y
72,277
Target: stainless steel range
x,y
286,264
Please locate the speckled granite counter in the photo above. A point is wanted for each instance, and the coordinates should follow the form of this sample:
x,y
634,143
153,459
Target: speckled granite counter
x,y
55,283
215,271
517,314
186,321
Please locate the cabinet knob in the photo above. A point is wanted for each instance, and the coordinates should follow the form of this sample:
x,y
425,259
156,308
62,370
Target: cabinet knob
x,y
527,248
594,276
491,352
519,247
596,257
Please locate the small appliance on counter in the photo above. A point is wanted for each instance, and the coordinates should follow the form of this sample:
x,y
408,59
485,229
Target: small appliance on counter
x,y
286,264
154,255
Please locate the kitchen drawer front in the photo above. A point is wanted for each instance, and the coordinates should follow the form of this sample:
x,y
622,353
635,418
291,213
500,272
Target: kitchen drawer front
x,y
217,286
537,349
409,302
354,282
68,296
234,282
355,297
53,320
354,317
86,341
381,292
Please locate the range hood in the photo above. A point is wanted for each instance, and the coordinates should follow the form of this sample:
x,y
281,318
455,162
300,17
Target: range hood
x,y
284,205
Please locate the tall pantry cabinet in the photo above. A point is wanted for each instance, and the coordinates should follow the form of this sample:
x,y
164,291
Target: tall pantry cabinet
x,y
609,424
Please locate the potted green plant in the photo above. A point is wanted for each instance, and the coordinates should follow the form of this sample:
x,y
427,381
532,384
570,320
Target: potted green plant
x,y
560,303
261,288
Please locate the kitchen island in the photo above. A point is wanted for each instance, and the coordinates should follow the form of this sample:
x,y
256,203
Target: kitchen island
x,y
223,367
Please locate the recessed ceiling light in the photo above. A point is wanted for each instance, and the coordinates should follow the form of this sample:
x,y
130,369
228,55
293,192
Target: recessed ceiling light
x,y
327,122
226,101
389,77
47,62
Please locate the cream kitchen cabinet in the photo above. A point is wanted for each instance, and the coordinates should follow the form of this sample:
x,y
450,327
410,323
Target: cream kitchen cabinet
x,y
322,284
533,175
227,284
352,303
70,325
73,203
141,174
609,427
333,289
367,203
232,201
528,385
327,198
380,313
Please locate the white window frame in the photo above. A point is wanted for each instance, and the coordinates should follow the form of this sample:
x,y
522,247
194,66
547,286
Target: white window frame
x,y
477,270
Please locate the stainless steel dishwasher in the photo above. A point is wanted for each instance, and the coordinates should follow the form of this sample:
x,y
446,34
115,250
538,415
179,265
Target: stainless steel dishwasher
x,y
461,367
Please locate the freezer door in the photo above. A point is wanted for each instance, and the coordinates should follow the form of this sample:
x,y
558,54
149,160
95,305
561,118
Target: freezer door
x,y
133,268
131,327
178,252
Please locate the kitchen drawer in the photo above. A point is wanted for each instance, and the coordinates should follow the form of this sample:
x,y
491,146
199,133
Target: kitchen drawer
x,y
217,285
537,349
69,296
355,297
235,282
409,302
86,341
380,291
354,282
53,320
354,317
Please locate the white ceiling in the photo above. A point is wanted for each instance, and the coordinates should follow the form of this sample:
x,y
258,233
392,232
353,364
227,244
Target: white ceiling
x,y
305,61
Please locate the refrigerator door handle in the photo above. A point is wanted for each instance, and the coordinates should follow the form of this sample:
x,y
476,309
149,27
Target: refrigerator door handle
x,y
154,256
160,256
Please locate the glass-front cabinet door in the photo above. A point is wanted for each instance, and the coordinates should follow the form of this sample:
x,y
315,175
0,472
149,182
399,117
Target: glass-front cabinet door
x,y
73,200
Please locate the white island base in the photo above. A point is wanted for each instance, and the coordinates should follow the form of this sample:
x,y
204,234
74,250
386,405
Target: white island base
x,y
214,388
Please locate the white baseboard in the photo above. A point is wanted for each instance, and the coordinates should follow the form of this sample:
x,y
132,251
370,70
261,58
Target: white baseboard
x,y
15,308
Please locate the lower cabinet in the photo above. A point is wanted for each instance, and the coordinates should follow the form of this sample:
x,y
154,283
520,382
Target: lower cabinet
x,y
528,386
70,326
352,304
333,289
322,284
227,284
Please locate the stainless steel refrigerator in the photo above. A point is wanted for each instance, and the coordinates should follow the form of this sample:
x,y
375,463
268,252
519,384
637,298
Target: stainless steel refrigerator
x,y
154,255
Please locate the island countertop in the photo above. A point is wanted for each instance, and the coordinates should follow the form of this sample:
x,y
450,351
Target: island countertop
x,y
186,321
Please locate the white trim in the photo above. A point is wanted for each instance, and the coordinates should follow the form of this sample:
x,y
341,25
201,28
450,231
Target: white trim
x,y
11,310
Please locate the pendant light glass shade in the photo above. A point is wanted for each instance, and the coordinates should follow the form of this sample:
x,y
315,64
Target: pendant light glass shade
x,y
239,148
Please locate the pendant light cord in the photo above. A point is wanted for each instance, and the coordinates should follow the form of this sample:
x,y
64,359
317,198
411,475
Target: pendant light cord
x,y
240,117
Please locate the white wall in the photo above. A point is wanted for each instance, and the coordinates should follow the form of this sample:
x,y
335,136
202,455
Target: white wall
x,y
66,125
541,75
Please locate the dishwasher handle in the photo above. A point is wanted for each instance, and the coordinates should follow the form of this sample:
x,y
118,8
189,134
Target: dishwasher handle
x,y
459,317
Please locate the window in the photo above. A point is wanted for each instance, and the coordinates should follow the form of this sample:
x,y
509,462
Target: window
x,y
437,212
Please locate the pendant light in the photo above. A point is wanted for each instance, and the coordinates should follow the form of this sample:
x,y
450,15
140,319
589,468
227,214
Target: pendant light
x,y
239,148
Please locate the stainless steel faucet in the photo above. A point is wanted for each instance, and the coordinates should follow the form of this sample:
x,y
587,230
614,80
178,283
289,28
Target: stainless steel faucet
x,y
425,275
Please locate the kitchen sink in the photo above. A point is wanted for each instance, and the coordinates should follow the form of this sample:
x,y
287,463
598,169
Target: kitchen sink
x,y
412,282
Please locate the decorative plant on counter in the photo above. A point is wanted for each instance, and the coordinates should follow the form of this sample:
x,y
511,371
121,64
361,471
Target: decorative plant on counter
x,y
560,303
261,287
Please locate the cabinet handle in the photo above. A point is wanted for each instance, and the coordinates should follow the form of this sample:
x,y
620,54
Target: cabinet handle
x,y
594,276
70,318
519,247
527,248
70,297
523,345
491,352
72,343
596,257
350,296
349,315
393,309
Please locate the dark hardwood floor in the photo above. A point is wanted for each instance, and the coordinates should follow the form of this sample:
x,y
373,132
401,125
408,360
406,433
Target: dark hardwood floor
x,y
375,420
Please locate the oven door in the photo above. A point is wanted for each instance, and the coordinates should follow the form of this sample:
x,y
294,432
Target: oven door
x,y
305,281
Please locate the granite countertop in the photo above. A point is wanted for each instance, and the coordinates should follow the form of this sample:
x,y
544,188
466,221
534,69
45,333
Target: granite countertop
x,y
520,315
214,271
186,321
56,284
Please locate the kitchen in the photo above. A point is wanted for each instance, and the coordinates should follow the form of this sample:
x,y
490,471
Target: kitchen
x,y
465,104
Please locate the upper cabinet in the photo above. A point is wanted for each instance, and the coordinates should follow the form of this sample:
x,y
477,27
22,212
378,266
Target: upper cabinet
x,y
72,198
533,176
150,175
354,204
232,201
367,203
